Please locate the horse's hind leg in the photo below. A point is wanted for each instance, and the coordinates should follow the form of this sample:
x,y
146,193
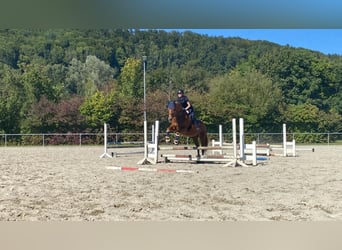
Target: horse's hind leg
x,y
204,142
196,142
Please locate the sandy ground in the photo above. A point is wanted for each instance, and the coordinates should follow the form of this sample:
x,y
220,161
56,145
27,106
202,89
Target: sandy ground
x,y
59,183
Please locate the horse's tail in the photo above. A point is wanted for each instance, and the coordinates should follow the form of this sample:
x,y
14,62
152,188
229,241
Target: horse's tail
x,y
205,141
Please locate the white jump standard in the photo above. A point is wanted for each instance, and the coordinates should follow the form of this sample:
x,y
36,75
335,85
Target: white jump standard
x,y
150,149
288,148
105,153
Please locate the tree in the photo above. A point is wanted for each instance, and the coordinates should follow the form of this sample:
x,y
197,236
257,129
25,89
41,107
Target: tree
x,y
85,78
37,83
244,93
46,116
309,118
11,99
224,77
98,74
302,75
101,108
131,79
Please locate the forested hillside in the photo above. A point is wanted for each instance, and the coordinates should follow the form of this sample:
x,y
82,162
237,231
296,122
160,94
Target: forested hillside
x,y
75,80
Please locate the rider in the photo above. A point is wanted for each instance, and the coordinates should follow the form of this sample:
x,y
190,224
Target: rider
x,y
187,106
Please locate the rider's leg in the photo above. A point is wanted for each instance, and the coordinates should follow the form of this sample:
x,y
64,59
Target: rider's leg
x,y
194,120
192,117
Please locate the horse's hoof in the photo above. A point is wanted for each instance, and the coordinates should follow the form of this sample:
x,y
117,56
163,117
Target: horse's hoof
x,y
167,139
175,142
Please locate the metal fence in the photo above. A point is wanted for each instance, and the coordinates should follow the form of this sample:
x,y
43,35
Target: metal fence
x,y
277,138
135,138
68,139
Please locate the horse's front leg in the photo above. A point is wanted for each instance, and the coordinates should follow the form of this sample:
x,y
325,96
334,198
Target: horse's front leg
x,y
176,140
168,139
167,135
171,128
168,131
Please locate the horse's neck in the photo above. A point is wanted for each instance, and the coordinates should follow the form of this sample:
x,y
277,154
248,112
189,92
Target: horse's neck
x,y
182,120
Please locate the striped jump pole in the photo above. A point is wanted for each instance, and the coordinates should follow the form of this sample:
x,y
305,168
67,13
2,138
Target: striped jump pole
x,y
177,148
165,170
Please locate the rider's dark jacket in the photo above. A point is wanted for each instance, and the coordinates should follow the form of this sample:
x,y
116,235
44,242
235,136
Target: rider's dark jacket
x,y
184,101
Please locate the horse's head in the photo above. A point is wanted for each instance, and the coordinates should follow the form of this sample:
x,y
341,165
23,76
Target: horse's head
x,y
175,109
171,106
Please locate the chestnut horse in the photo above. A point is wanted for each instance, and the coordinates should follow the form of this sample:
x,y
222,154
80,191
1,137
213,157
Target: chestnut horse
x,y
181,124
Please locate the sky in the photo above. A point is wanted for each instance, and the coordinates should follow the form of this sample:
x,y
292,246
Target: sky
x,y
327,41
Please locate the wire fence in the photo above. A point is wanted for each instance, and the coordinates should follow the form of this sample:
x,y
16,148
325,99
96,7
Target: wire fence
x,y
138,138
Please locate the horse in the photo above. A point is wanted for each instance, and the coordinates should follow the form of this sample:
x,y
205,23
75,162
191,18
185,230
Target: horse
x,y
181,123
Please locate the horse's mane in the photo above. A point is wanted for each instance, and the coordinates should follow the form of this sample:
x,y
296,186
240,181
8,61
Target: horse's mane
x,y
175,105
178,106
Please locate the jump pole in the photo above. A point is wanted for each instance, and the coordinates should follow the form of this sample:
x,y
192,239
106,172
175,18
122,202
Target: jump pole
x,y
165,170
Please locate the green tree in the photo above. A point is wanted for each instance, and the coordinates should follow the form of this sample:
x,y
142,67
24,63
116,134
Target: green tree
x,y
46,67
131,78
46,116
309,118
37,83
85,78
244,93
11,99
101,108
303,76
